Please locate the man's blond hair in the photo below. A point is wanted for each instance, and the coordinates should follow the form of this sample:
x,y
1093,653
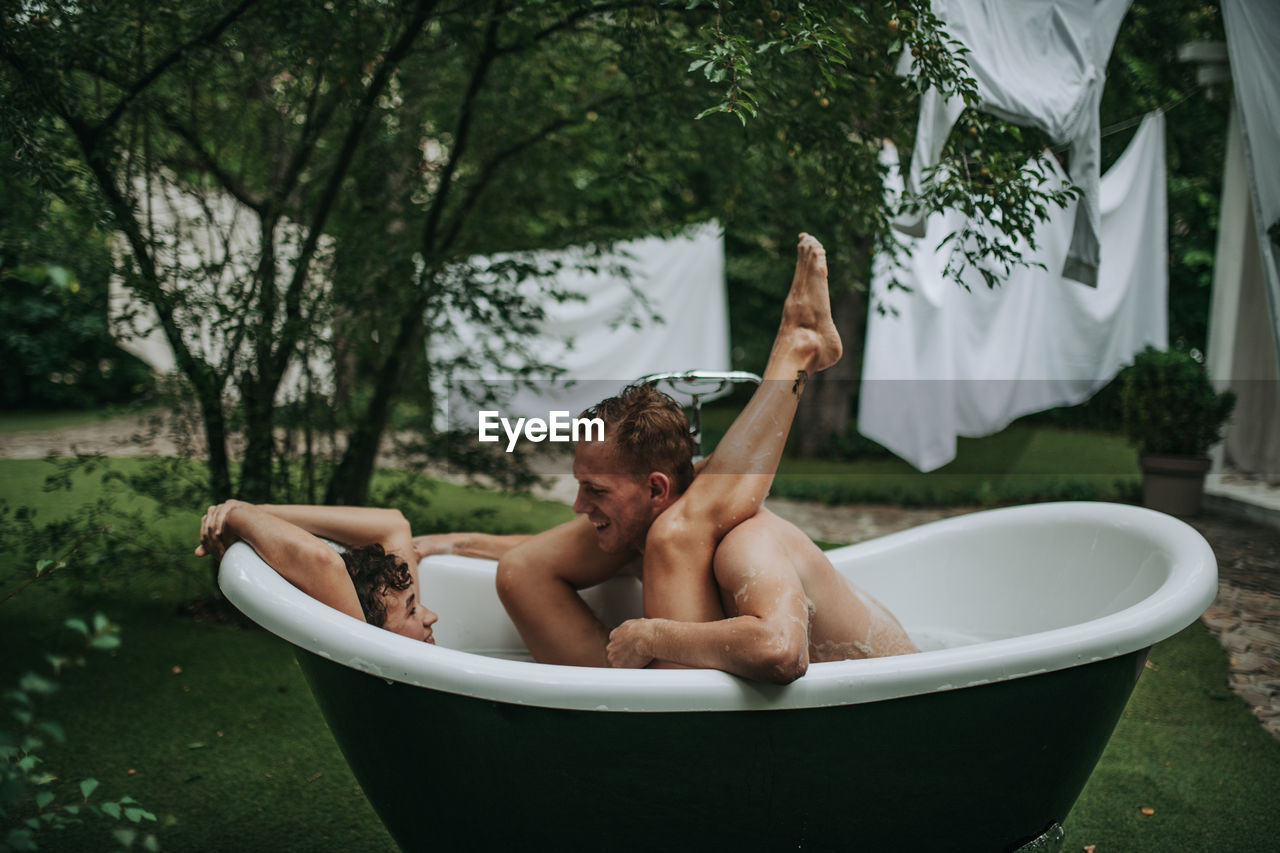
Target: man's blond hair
x,y
649,432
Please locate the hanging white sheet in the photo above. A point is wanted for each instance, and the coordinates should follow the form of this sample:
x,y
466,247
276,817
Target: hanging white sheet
x,y
1040,63
952,362
1253,46
606,340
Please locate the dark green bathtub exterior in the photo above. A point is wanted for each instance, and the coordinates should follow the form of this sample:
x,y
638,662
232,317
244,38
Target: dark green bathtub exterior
x,y
986,768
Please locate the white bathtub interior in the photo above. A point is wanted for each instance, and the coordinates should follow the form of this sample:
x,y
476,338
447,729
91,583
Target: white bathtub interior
x,y
965,585
988,596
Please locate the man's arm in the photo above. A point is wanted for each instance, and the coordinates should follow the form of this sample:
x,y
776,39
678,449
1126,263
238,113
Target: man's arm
x,y
768,639
486,546
300,558
538,583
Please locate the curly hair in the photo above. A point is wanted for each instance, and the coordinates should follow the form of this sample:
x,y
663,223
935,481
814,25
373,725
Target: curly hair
x,y
650,432
376,573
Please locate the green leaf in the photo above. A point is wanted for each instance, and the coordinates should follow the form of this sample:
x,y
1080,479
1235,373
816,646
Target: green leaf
x,y
150,843
43,799
20,839
54,731
33,683
100,623
87,787
134,815
41,565
112,809
61,276
105,642
125,836
78,625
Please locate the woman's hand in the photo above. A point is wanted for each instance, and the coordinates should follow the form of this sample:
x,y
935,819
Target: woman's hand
x,y
215,537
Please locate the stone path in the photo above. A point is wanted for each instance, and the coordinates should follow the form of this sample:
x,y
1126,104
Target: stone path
x,y
1245,617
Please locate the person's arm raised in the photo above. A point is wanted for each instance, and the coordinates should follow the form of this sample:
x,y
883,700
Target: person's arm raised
x,y
296,554
486,546
350,525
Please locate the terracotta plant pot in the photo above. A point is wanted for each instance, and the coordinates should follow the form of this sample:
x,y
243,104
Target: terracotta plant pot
x,y
1173,484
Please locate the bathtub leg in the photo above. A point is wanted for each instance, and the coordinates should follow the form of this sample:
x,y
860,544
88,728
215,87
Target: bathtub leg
x,y
1050,841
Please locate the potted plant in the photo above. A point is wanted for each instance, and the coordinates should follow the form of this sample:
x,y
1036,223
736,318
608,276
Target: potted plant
x,y
1173,415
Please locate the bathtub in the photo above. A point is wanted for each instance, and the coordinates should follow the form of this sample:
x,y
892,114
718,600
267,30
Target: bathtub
x,y
1035,620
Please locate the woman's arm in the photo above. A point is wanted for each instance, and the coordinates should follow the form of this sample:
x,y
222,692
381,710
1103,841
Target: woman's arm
x,y
351,525
297,555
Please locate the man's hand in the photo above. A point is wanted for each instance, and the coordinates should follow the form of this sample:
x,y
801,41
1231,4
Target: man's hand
x,y
629,644
215,538
434,543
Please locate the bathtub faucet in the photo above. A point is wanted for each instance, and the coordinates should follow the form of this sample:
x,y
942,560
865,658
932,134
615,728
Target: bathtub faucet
x,y
698,384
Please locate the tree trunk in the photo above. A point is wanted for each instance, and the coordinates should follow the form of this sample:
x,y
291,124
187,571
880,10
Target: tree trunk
x,y
215,434
349,485
257,468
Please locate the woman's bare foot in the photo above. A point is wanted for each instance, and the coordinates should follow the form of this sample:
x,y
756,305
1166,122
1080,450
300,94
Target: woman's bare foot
x,y
807,325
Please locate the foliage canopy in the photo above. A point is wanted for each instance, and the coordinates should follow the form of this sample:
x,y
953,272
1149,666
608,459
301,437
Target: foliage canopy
x,y
299,191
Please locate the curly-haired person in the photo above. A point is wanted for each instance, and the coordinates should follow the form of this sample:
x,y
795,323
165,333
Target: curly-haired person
x,y
374,579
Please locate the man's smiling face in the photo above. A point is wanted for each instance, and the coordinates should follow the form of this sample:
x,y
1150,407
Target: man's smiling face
x,y
621,505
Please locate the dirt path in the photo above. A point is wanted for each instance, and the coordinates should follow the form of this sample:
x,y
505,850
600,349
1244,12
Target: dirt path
x,y
1245,617
132,435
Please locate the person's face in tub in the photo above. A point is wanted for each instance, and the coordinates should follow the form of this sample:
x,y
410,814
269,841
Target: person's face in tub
x,y
621,505
408,616
388,591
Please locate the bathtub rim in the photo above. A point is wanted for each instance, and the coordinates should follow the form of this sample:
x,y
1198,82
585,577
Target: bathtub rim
x,y
1191,586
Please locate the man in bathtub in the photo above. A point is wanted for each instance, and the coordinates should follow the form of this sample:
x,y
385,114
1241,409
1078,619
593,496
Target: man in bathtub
x,y
727,584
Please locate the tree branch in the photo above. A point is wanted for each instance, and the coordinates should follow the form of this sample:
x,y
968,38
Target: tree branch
x,y
490,168
566,23
210,164
177,54
461,134
342,163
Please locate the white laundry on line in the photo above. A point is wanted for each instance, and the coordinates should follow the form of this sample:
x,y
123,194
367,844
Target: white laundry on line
x,y
605,340
1040,63
1253,34
954,363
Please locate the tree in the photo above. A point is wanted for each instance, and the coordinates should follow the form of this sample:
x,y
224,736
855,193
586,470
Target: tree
x,y
1145,74
339,167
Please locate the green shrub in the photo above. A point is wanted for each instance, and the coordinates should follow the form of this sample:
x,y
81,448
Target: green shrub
x,y
1170,406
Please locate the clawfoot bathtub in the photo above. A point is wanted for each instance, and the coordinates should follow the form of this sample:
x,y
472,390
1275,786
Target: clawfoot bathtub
x,y
1035,622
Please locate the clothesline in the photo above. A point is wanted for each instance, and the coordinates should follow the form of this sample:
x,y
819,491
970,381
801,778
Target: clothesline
x,y
1119,126
949,362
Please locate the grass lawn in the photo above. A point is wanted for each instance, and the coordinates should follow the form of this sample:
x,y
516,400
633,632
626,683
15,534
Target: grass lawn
x,y
1023,463
35,421
227,747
